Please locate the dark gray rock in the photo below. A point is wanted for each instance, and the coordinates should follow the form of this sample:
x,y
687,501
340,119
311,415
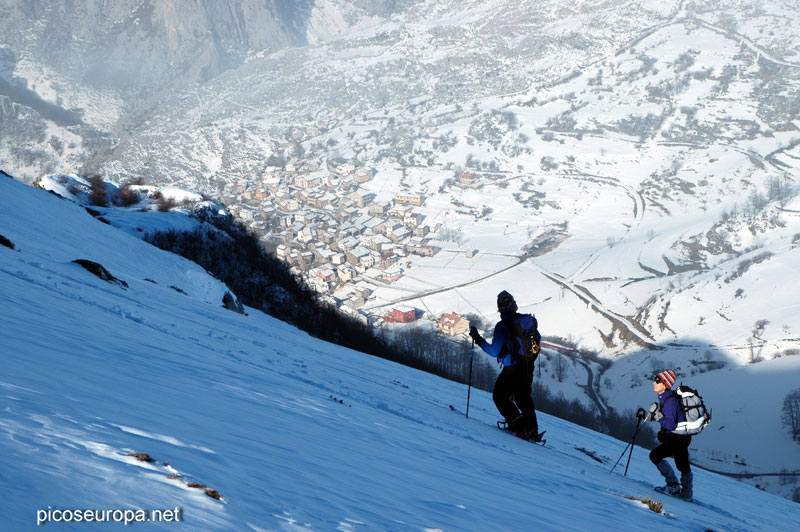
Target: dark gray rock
x,y
100,271
231,303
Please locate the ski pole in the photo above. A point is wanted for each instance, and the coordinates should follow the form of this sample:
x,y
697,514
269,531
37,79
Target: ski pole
x,y
639,416
625,450
639,422
469,388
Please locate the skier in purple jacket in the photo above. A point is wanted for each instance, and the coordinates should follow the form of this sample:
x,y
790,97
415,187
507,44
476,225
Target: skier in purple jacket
x,y
667,411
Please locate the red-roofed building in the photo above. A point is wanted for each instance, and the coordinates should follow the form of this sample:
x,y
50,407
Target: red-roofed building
x,y
453,324
467,178
391,276
402,315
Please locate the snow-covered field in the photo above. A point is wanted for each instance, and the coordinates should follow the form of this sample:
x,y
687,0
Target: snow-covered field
x,y
292,432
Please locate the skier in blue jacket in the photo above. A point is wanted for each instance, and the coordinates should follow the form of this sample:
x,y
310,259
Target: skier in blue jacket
x,y
667,411
512,390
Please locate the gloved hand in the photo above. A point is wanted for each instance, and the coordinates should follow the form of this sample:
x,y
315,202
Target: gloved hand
x,y
655,413
475,335
641,413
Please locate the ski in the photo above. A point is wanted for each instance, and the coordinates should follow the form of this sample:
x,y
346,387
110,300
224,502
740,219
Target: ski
x,y
541,441
663,489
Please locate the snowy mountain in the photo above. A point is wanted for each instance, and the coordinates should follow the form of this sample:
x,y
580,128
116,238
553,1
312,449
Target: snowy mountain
x,y
282,431
73,76
389,78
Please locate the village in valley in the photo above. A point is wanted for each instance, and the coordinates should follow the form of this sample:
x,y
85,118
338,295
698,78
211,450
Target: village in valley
x,y
337,237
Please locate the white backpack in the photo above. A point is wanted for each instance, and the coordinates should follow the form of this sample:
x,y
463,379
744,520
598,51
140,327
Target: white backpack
x,y
695,413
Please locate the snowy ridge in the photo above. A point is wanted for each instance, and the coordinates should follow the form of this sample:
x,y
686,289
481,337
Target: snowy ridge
x,y
293,433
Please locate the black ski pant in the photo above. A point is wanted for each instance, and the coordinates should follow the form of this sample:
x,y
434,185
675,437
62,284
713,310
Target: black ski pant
x,y
674,445
512,396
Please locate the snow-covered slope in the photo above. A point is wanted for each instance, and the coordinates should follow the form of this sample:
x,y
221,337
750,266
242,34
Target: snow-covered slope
x,y
293,433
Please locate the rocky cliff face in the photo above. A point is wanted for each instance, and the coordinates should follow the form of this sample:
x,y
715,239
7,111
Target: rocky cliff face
x,y
135,44
101,67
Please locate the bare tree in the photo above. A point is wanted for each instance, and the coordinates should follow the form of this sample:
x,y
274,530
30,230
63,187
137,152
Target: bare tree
x,y
791,413
560,367
780,189
97,195
758,328
165,204
128,196
756,203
